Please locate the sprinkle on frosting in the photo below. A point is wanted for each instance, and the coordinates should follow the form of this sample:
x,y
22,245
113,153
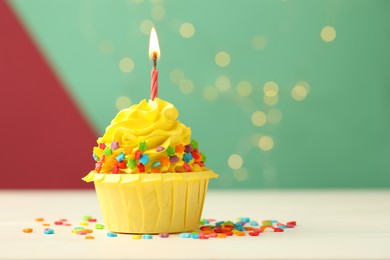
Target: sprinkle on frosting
x,y
147,138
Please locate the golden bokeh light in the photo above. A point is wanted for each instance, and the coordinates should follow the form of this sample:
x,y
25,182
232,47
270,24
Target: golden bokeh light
x,y
271,101
210,93
266,143
271,89
222,83
235,161
259,42
274,116
158,12
122,102
126,64
300,90
106,47
244,88
259,118
146,26
187,30
222,59
328,33
186,86
240,174
176,75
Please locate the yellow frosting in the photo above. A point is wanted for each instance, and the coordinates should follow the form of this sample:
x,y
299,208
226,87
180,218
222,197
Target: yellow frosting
x,y
153,123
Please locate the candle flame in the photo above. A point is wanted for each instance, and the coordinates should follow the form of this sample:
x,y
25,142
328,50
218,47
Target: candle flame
x,y
154,48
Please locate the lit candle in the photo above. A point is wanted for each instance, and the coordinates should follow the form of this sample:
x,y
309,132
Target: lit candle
x,y
154,54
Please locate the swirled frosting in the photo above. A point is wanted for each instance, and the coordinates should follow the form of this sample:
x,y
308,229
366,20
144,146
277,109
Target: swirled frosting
x,y
147,137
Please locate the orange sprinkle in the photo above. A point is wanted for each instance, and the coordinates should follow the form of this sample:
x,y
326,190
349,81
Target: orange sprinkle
x,y
249,228
27,230
179,148
156,170
240,233
88,230
89,237
221,235
39,219
45,224
164,161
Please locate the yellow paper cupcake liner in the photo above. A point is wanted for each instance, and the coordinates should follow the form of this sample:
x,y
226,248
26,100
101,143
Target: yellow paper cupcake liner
x,y
151,203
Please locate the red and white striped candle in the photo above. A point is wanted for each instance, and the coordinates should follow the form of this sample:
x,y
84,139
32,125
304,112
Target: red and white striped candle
x,y
154,54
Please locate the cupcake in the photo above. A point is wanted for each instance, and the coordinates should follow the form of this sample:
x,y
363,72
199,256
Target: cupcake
x,y
149,176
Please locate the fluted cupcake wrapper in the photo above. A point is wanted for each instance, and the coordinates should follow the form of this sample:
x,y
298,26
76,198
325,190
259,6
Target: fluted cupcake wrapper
x,y
151,203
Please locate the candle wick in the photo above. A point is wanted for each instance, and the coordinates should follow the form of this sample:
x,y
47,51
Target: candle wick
x,y
154,61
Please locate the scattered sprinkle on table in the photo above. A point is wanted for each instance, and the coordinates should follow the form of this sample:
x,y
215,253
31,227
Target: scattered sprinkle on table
x,y
209,228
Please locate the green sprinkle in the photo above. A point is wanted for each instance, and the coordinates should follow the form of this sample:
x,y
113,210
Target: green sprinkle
x,y
194,143
204,158
86,218
131,164
99,226
170,151
142,146
107,151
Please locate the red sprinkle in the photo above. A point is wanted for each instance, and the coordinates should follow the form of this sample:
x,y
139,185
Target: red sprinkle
x,y
254,234
58,223
138,154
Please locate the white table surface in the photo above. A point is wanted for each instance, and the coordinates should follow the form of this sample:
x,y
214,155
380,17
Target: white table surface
x,y
337,224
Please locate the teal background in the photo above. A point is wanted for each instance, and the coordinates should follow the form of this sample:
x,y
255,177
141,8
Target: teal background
x,y
338,136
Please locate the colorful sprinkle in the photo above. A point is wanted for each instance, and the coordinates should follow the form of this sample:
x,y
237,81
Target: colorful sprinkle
x,y
141,167
179,148
131,164
187,157
174,159
147,236
27,230
39,219
185,235
160,148
142,146
136,236
99,226
107,151
194,144
164,235
170,151
95,157
102,146
137,154
89,237
114,145
48,231
188,148
144,159
110,234
120,157
156,164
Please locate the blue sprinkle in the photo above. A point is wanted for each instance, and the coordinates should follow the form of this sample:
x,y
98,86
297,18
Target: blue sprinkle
x,y
245,219
195,236
120,157
110,234
185,235
253,223
156,164
219,223
48,231
240,228
187,157
274,221
144,159
147,236
281,226
95,157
